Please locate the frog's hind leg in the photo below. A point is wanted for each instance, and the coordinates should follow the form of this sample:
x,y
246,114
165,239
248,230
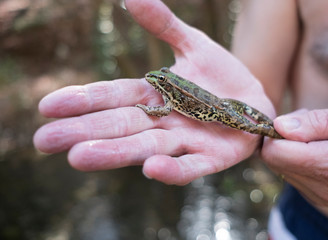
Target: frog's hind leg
x,y
253,113
257,115
236,119
264,129
264,122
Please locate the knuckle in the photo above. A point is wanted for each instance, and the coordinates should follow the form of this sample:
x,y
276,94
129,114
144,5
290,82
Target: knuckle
x,y
96,93
319,121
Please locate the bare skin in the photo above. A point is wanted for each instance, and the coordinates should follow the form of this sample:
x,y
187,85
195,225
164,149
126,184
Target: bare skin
x,y
311,69
103,130
291,42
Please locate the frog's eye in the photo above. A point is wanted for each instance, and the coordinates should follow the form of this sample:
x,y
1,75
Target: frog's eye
x,y
161,78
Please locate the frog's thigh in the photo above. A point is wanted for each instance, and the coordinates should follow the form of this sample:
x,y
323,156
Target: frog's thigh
x,y
257,115
235,120
241,108
237,106
260,128
240,122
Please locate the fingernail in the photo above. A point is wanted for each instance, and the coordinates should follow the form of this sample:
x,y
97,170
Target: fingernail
x,y
289,124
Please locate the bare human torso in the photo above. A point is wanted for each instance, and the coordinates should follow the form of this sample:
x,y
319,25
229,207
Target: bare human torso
x,y
285,43
310,75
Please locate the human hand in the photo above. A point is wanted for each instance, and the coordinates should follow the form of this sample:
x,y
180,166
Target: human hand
x,y
102,129
303,159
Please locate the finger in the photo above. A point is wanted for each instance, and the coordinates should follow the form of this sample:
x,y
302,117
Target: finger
x,y
194,50
303,125
312,187
62,134
287,154
304,165
121,152
180,170
77,100
158,19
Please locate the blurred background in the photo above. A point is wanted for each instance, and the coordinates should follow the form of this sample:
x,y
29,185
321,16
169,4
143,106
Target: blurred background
x,y
49,44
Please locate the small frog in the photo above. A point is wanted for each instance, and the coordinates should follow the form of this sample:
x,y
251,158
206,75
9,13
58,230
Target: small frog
x,y
194,102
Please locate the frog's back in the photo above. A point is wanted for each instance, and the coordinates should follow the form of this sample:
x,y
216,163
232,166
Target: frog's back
x,y
192,90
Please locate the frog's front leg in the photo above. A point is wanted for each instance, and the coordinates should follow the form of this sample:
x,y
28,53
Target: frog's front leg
x,y
158,111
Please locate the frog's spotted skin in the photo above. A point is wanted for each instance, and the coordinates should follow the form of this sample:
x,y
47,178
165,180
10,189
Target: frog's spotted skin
x,y
192,101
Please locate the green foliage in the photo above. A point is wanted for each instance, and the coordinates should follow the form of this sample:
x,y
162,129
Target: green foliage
x,y
9,71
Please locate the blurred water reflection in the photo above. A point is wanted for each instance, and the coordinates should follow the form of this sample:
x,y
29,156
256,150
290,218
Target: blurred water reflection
x,y
206,215
209,215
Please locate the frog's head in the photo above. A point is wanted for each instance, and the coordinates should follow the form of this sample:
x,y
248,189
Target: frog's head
x,y
160,80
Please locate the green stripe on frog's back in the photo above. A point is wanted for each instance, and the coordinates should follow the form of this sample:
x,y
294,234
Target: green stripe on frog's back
x,y
191,89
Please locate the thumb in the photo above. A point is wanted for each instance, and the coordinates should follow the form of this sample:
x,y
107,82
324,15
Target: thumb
x,y
304,125
157,18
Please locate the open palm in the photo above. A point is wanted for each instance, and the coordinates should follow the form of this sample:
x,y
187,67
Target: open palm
x,y
103,130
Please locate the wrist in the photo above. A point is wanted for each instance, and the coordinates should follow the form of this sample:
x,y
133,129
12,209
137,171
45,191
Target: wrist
x,y
301,218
